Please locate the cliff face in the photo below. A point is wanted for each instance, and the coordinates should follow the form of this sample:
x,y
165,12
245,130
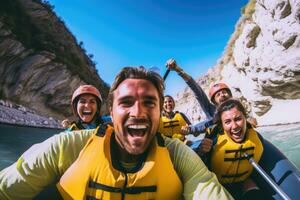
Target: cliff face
x,y
261,63
41,63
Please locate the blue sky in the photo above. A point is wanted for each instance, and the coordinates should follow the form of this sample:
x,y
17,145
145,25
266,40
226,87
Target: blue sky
x,y
131,33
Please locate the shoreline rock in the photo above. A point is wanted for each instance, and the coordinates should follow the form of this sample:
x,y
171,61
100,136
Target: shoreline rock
x,y
19,115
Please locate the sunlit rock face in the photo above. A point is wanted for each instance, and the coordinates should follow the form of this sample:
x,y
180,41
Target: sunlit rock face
x,y
41,62
261,63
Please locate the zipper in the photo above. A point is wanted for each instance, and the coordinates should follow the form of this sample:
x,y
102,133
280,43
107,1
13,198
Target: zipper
x,y
124,187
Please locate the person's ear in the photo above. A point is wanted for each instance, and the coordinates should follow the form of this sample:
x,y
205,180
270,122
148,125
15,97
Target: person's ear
x,y
110,111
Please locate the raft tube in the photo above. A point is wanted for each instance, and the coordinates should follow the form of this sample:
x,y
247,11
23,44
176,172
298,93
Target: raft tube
x,y
285,174
281,170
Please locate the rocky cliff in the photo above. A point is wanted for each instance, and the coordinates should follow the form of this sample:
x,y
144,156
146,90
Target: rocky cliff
x,y
41,62
261,63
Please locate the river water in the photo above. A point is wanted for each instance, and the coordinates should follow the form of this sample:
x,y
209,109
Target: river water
x,y
14,140
286,138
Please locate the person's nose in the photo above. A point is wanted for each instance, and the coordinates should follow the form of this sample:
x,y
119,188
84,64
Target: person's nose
x,y
137,110
234,125
88,104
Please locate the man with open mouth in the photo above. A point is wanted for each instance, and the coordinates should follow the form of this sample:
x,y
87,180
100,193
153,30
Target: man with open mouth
x,y
129,160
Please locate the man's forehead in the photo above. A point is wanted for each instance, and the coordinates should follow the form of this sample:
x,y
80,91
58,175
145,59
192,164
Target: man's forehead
x,y
132,85
131,82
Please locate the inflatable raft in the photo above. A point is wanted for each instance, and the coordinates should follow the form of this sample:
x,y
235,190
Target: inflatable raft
x,y
282,171
277,166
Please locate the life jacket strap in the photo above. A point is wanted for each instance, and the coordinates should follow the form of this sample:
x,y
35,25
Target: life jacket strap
x,y
101,130
234,175
91,198
126,190
171,123
238,158
239,150
160,140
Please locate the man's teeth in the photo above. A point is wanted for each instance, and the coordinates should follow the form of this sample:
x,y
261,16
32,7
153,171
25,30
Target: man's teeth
x,y
87,112
136,126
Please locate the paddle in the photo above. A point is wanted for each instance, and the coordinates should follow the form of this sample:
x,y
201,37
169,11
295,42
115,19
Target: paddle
x,y
267,178
157,70
166,74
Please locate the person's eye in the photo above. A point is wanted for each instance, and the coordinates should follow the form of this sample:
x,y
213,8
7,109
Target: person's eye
x,y
82,101
150,103
238,118
227,122
126,103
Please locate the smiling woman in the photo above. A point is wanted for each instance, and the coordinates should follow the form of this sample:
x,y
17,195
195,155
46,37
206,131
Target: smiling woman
x,y
232,137
233,118
86,104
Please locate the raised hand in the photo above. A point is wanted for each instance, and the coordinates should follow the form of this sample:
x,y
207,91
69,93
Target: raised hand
x,y
205,146
185,130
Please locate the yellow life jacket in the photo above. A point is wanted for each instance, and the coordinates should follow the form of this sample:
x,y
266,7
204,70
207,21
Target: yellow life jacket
x,y
73,127
172,127
228,161
94,174
77,126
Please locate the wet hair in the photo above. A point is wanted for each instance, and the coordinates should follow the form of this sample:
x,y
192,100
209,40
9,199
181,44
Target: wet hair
x,y
227,105
139,73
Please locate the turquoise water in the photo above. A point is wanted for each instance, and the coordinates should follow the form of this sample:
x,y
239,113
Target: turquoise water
x,y
286,138
15,140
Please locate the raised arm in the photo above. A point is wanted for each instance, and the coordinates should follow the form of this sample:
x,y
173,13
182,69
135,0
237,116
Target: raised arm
x,y
207,107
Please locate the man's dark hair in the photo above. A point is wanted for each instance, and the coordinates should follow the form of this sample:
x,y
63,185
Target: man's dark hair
x,y
139,73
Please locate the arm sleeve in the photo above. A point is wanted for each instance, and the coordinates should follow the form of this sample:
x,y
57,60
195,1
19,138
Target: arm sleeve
x,y
198,181
199,128
41,165
207,107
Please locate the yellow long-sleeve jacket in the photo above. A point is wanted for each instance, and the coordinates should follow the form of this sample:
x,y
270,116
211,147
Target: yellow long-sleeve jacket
x,y
44,163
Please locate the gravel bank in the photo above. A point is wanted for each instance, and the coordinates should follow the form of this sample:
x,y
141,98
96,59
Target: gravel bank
x,y
19,115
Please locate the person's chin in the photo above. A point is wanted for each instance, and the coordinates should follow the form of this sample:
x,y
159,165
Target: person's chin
x,y
136,150
237,140
222,100
87,121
